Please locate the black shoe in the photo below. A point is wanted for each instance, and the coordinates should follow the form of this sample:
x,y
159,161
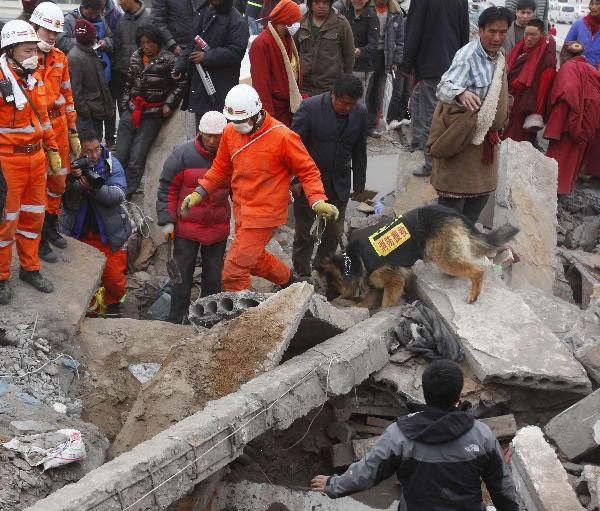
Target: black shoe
x,y
113,310
36,280
422,171
51,231
45,252
294,278
5,292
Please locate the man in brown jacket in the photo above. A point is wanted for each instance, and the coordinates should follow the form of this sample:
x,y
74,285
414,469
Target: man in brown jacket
x,y
325,46
473,109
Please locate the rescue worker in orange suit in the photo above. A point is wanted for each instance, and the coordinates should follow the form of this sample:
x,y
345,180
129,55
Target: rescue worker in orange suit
x,y
24,127
259,156
48,21
93,212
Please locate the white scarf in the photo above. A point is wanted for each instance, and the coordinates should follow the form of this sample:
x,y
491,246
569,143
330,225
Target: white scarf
x,y
295,96
487,112
20,99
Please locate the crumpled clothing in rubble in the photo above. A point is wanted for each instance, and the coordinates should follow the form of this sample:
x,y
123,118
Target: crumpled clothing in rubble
x,y
422,331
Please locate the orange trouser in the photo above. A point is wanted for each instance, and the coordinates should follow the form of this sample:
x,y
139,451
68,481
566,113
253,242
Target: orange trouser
x,y
25,176
113,277
57,183
247,256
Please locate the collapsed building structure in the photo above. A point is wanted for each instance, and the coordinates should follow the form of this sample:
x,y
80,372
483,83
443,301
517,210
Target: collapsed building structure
x,y
266,388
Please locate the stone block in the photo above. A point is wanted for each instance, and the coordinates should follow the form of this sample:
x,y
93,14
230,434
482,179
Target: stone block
x,y
214,363
207,311
75,276
591,477
403,380
501,336
576,431
412,191
540,479
589,356
29,427
526,198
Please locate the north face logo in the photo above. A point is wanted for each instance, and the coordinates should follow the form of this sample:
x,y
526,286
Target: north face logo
x,y
472,448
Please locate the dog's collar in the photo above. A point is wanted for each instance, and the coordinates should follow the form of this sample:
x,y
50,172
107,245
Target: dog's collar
x,y
347,264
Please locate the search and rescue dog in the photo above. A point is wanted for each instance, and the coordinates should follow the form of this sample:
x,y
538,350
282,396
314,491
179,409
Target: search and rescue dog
x,y
380,256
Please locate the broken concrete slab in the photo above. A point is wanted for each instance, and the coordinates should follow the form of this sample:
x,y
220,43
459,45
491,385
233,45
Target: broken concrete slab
x,y
584,339
215,363
591,477
201,444
500,334
587,267
75,277
207,311
540,479
250,495
576,431
403,380
526,198
412,191
107,348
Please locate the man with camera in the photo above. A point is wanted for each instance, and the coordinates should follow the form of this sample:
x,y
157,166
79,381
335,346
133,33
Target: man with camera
x,y
93,213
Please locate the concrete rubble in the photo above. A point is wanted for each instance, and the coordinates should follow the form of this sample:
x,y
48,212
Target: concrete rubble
x,y
540,479
218,433
576,431
215,363
526,198
210,310
500,334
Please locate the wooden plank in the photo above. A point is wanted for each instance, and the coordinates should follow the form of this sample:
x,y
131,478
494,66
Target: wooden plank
x,y
503,426
365,428
376,421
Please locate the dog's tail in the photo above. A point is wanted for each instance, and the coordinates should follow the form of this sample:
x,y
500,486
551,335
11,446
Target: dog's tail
x,y
485,244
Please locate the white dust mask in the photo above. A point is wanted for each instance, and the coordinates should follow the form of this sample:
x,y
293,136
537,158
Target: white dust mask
x,y
293,28
30,63
44,46
243,127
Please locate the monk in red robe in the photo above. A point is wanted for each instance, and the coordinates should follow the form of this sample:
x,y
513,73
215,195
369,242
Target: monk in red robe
x,y
574,117
531,72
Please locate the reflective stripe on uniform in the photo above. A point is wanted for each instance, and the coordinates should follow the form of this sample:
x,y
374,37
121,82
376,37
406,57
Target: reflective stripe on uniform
x,y
60,100
12,216
5,243
70,108
66,84
59,65
27,234
25,129
50,194
46,126
33,208
40,83
62,172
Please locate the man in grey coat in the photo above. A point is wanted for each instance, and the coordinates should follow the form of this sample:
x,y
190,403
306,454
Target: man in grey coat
x,y
440,454
176,20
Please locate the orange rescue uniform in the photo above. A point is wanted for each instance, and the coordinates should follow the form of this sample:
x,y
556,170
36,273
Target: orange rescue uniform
x,y
54,68
260,167
24,165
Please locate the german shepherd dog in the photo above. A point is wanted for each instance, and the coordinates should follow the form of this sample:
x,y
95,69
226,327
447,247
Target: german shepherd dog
x,y
435,233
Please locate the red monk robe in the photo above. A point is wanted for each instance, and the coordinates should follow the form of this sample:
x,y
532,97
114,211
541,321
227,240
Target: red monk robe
x,y
531,72
574,106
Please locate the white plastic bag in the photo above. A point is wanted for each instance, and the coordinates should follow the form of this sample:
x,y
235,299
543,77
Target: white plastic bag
x,y
67,452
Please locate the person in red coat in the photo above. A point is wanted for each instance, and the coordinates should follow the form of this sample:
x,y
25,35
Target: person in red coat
x,y
275,65
574,115
531,71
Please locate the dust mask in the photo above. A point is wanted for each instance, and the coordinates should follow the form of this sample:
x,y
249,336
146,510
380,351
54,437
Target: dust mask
x,y
293,28
30,63
243,127
44,46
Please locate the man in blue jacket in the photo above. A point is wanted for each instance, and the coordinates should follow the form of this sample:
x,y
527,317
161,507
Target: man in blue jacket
x,y
93,212
439,454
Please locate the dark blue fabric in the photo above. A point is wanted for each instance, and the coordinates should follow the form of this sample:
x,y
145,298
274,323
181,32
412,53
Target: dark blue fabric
x,y
101,30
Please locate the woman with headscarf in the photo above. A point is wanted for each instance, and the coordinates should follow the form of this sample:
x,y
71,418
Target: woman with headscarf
x,y
275,65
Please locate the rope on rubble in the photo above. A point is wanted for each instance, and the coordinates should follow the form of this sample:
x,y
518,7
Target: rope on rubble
x,y
331,360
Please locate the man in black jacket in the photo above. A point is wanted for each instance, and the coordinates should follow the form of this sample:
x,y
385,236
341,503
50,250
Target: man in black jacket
x,y
440,454
429,60
333,127
226,33
175,18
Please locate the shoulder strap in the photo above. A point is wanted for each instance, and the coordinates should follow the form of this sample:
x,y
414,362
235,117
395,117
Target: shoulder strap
x,y
255,140
33,107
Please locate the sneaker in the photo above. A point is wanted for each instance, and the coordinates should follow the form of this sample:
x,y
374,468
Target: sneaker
x,y
373,133
5,292
405,122
45,252
51,232
395,124
422,171
36,280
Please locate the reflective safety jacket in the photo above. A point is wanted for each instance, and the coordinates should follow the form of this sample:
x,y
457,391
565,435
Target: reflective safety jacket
x,y
22,127
54,69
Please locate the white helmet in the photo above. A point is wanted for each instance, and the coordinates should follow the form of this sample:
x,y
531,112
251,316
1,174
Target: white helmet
x,y
48,16
241,103
17,31
212,123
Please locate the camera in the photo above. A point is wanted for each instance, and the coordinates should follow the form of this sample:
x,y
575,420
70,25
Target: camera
x,y
96,181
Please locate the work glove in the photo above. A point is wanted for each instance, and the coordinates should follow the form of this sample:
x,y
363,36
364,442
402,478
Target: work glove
x,y
74,144
168,231
326,210
193,199
54,161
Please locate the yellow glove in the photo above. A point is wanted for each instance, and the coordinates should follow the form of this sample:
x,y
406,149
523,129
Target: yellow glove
x,y
54,161
74,144
326,210
193,199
